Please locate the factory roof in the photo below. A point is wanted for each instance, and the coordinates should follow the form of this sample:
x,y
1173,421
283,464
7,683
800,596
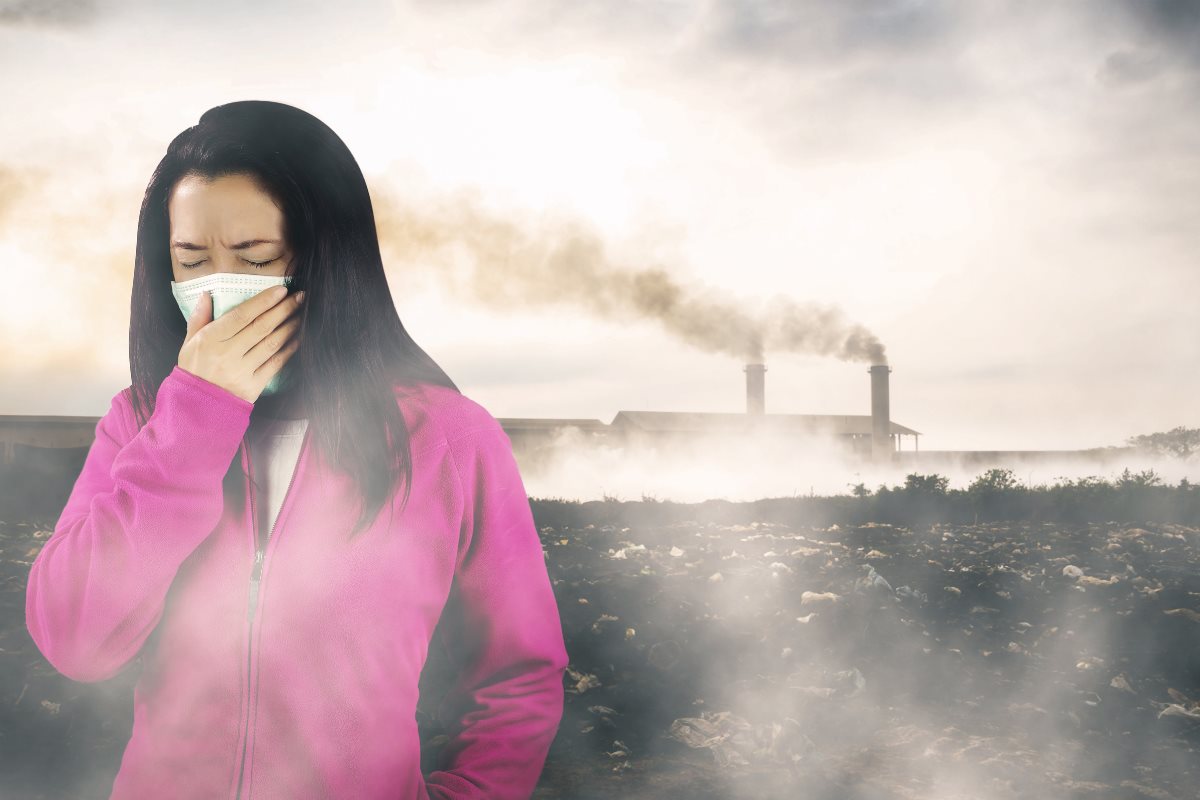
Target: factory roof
x,y
548,423
697,421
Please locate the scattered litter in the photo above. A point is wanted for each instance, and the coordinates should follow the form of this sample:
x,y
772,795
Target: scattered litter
x,y
875,581
621,751
1120,682
583,681
734,741
712,730
908,592
1176,710
815,598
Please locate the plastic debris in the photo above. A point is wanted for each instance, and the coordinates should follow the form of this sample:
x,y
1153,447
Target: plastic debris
x,y
583,681
735,742
875,581
909,593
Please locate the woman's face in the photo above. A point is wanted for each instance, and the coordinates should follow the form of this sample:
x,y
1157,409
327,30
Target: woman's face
x,y
225,225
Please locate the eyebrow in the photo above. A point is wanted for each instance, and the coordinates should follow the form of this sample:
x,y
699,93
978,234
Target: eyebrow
x,y
238,246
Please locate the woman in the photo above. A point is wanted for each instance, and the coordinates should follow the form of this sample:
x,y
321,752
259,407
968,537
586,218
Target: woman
x,y
238,524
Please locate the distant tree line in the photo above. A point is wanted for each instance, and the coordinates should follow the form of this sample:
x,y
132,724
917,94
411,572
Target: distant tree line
x,y
994,496
997,494
1176,443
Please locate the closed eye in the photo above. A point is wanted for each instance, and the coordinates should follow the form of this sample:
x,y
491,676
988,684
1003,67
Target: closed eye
x,y
259,264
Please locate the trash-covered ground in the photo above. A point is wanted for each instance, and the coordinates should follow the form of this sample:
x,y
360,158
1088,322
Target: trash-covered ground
x,y
761,661
773,661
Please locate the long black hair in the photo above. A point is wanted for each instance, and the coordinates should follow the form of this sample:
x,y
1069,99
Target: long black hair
x,y
351,335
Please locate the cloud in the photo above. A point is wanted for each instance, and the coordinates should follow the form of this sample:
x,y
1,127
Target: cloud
x,y
803,32
47,13
14,185
1043,153
1175,23
1124,67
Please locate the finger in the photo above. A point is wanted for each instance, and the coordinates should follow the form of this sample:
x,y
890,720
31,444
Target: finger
x,y
276,361
243,314
272,344
266,322
288,328
201,315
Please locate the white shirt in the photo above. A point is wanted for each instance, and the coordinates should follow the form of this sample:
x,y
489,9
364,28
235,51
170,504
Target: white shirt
x,y
274,452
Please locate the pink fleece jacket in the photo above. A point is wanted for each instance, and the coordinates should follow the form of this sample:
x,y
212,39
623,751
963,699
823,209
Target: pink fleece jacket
x,y
308,690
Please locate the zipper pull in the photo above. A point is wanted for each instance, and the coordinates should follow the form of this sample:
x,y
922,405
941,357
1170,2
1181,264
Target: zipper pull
x,y
255,574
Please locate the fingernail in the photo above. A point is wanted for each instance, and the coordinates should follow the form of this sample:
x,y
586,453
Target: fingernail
x,y
280,292
299,297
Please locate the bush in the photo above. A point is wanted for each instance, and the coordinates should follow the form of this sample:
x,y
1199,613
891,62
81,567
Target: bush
x,y
1138,480
997,494
926,484
994,481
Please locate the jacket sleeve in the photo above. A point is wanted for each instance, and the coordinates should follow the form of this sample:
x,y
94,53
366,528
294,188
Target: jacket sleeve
x,y
501,632
143,501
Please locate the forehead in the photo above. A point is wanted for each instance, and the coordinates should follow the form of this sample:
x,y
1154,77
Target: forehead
x,y
198,206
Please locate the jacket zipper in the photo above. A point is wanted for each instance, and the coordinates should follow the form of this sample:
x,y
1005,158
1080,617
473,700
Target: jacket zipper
x,y
255,586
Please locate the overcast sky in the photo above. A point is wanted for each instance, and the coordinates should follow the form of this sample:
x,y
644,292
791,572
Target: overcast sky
x,y
1000,195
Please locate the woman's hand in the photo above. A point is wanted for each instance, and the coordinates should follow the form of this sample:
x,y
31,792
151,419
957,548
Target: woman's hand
x,y
243,350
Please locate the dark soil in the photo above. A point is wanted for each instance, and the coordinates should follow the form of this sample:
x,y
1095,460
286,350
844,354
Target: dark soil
x,y
845,662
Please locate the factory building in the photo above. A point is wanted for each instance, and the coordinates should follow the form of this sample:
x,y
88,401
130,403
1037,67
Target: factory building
x,y
872,435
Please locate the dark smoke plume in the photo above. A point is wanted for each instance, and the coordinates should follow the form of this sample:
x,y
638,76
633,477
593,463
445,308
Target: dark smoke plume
x,y
507,267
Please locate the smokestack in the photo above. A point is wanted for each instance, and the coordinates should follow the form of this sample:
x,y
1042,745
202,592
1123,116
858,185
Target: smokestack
x,y
755,395
881,423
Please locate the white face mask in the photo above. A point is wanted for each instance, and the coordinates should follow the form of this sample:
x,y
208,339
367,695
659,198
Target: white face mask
x,y
228,290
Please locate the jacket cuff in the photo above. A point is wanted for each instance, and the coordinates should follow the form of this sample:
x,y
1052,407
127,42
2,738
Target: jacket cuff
x,y
218,394
199,408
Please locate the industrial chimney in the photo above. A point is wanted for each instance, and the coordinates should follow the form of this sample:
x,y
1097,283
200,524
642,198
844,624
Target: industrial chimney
x,y
881,423
755,396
